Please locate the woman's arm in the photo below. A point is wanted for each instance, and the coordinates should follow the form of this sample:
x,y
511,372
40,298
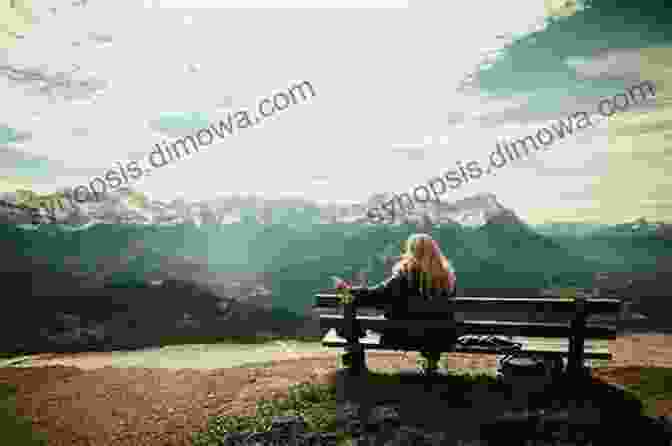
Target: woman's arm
x,y
385,292
453,284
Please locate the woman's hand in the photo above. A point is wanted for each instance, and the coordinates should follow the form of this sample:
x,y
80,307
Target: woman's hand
x,y
344,290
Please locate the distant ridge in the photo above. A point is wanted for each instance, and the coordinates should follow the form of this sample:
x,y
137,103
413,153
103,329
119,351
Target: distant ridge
x,y
128,206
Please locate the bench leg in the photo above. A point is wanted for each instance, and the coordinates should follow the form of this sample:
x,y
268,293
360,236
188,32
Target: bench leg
x,y
354,359
432,367
430,362
555,367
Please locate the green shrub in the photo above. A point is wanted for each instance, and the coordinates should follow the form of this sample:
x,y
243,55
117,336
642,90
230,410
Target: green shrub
x,y
655,384
16,430
316,403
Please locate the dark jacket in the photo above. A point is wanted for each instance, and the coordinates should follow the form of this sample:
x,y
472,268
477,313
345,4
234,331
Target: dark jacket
x,y
396,291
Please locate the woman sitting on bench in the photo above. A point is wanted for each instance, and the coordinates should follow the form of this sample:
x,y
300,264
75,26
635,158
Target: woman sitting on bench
x,y
422,272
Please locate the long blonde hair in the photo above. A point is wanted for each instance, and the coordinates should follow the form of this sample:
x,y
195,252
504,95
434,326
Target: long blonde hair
x,y
423,255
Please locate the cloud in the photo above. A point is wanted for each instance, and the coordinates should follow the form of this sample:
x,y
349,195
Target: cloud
x,y
490,111
655,127
62,84
100,38
80,131
523,114
15,22
225,104
562,8
40,169
136,155
608,64
15,162
456,118
526,110
588,168
320,179
9,155
9,135
413,152
177,125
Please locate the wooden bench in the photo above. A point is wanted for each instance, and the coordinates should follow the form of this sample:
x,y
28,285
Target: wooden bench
x,y
551,328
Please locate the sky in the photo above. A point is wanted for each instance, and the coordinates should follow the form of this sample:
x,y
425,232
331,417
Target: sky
x,y
403,91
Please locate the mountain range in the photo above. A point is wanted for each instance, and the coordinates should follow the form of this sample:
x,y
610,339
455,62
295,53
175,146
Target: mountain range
x,y
129,270
127,206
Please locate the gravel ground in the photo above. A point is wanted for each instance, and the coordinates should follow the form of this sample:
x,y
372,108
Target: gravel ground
x,y
103,405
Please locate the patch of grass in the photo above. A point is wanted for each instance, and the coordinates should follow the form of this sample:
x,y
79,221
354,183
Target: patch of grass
x,y
456,377
345,440
316,403
6,392
454,388
259,364
247,340
655,384
16,354
16,430
183,340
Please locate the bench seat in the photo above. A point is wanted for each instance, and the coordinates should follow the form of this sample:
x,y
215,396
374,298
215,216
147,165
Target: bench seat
x,y
480,327
597,349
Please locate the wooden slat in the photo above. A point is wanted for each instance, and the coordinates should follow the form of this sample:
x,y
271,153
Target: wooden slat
x,y
593,349
534,329
380,323
531,346
478,304
506,328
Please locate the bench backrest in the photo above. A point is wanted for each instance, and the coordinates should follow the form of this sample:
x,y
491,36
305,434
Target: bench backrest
x,y
576,311
534,316
530,308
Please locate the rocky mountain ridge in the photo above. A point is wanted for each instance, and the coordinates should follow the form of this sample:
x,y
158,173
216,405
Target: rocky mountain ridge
x,y
130,207
127,206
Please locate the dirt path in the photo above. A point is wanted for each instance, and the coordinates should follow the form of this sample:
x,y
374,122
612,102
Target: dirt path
x,y
202,357
98,404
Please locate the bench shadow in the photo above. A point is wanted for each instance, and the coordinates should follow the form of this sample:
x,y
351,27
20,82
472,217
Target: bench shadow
x,y
471,407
